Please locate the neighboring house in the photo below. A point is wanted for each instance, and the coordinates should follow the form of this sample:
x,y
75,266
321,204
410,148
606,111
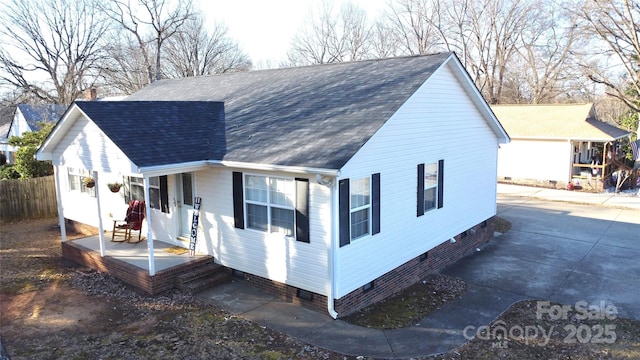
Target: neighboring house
x,y
554,145
28,118
339,184
6,116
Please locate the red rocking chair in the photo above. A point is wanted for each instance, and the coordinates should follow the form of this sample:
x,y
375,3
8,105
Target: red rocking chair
x,y
123,229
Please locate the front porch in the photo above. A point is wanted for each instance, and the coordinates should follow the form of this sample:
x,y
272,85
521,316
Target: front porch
x,y
594,164
130,262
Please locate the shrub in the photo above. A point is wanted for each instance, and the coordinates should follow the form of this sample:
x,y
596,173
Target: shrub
x,y
8,171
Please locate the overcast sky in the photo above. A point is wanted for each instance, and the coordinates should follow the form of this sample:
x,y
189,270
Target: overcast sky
x,y
264,28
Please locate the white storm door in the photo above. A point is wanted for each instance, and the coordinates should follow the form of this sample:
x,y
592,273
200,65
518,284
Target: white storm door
x,y
185,203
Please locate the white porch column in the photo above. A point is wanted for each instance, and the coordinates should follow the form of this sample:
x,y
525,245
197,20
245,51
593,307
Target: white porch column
x,y
63,228
96,188
147,210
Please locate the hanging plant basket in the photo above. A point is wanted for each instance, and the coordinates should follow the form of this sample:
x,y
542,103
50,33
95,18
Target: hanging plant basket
x,y
114,187
89,182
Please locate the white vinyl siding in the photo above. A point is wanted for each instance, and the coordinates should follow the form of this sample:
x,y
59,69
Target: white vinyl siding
x,y
78,149
438,122
540,160
271,255
85,146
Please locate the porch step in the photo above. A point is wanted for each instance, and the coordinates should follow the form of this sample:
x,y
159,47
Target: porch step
x,y
203,277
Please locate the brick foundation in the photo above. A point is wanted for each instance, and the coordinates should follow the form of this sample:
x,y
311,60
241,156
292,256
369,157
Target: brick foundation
x,y
416,269
392,282
287,292
130,274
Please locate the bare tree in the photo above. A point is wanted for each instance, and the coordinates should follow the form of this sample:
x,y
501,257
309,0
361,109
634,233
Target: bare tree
x,y
329,37
414,22
125,70
151,22
616,26
56,40
546,67
195,51
484,33
384,41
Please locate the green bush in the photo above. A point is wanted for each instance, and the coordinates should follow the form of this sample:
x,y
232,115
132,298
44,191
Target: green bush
x,y
25,156
8,171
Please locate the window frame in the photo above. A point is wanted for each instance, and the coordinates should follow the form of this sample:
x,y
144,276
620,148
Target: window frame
x,y
269,204
128,193
356,209
425,183
431,184
77,176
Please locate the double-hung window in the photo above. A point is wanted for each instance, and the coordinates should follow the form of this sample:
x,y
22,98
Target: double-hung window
x,y
430,186
360,207
76,179
270,204
134,190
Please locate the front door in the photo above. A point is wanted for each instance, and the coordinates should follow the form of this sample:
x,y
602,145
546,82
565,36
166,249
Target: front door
x,y
185,203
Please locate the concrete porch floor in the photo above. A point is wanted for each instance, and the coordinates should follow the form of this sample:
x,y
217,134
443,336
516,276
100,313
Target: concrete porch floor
x,y
138,254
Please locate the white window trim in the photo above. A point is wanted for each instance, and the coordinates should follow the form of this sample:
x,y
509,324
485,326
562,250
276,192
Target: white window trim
x,y
434,186
80,174
268,204
363,207
127,179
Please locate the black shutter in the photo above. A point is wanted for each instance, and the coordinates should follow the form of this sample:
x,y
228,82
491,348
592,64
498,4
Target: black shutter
x,y
375,203
302,210
238,201
420,196
343,210
164,194
440,183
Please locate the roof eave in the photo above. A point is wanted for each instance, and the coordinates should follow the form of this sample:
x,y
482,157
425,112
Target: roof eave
x,y
168,169
45,151
569,139
279,168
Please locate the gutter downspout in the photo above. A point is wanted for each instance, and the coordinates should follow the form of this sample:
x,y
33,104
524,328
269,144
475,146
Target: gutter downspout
x,y
332,252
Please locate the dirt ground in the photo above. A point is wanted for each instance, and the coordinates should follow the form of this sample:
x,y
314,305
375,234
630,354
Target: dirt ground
x,y
53,309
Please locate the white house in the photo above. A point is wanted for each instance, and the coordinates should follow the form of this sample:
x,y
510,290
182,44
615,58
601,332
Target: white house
x,y
553,145
5,124
28,117
339,183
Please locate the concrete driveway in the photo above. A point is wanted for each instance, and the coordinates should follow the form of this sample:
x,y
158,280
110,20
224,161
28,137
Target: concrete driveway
x,y
561,252
555,251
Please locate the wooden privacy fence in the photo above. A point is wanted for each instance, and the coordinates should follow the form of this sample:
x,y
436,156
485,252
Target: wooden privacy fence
x,y
27,198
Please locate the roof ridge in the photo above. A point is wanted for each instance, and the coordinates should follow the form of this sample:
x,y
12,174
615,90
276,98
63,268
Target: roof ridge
x,y
310,66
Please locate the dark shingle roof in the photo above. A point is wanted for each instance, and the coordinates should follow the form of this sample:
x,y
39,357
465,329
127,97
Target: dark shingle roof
x,y
35,114
161,132
314,116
